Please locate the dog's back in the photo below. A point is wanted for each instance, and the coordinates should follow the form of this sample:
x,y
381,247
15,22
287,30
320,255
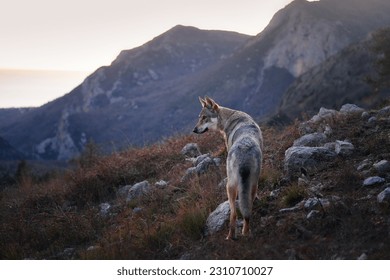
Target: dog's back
x,y
244,159
244,143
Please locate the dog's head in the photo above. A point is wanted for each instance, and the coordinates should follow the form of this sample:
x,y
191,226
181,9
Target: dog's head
x,y
208,117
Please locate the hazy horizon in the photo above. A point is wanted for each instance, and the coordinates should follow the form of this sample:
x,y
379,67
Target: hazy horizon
x,y
33,88
81,36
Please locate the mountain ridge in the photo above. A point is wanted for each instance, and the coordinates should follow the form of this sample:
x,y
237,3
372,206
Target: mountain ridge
x,y
150,92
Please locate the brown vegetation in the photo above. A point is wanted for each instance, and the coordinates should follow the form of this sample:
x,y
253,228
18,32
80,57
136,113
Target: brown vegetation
x,y
60,217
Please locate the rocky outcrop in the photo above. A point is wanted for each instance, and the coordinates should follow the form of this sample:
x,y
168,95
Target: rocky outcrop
x,y
313,151
311,159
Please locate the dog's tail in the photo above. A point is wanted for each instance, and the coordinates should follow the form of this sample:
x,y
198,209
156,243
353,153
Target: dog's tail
x,y
245,193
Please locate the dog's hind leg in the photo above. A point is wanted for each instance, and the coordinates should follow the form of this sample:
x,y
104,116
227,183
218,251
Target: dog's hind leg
x,y
245,229
232,196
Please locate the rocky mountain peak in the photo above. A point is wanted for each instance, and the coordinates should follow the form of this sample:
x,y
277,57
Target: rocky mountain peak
x,y
304,37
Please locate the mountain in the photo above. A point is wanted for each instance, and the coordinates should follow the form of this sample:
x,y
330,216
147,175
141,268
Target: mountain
x,y
7,152
339,80
298,38
150,92
126,103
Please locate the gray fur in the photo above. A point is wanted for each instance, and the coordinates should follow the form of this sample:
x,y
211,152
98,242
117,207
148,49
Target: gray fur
x,y
244,144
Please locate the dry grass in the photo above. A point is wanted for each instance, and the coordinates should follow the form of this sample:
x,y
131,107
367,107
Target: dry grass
x,y
44,219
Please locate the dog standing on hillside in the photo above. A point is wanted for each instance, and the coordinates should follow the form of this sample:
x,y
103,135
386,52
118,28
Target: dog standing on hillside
x,y
244,143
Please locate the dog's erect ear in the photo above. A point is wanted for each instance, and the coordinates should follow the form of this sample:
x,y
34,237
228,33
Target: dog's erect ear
x,y
203,102
212,104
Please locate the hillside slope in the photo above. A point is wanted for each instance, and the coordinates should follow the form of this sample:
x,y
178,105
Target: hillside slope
x,y
151,203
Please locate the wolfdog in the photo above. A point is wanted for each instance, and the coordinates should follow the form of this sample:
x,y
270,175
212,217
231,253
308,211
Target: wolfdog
x,y
244,143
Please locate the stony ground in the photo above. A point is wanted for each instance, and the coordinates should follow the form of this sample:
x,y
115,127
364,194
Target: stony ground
x,y
323,194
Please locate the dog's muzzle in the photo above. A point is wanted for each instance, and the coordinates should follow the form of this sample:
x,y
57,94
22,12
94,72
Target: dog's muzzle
x,y
197,131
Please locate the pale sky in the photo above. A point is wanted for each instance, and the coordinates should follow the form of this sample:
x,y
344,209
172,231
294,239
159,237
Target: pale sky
x,y
82,35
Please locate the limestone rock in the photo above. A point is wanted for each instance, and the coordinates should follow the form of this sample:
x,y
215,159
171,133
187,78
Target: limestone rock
x,y
344,148
384,197
191,150
217,219
351,109
311,159
373,181
311,140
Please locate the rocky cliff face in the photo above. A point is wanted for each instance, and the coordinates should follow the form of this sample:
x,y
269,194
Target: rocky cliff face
x,y
340,79
309,33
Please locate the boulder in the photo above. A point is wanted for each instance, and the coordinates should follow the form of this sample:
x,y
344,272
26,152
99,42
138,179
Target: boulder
x,y
204,165
311,140
364,165
382,167
123,191
217,219
351,109
373,181
138,190
344,148
191,150
384,112
201,158
311,159
384,197
324,114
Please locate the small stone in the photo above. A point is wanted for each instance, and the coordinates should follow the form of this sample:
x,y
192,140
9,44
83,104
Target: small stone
x,y
313,214
344,148
204,166
363,257
296,208
311,140
351,109
316,203
311,203
365,164
384,197
190,172
137,210
365,115
384,112
323,114
138,190
104,208
217,161
201,158
372,181
161,184
382,166
191,150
